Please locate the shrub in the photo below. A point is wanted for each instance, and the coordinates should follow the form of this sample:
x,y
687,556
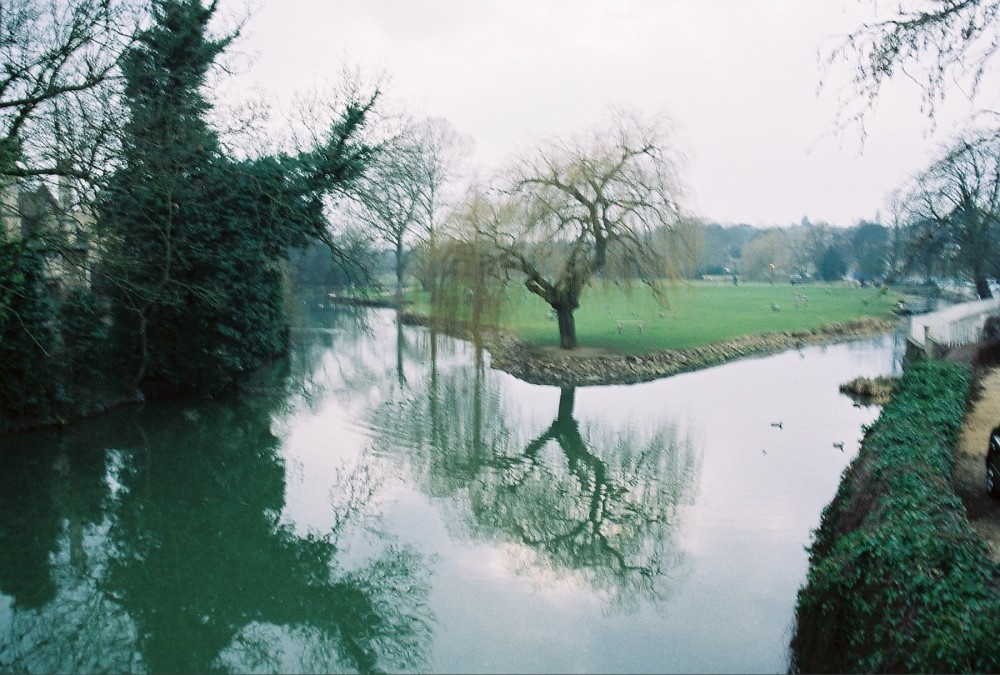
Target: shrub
x,y
27,340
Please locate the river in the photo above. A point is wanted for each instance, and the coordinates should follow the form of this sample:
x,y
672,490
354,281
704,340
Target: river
x,y
383,500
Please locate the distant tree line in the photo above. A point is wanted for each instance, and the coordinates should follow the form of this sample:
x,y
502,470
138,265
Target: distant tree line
x,y
943,227
797,252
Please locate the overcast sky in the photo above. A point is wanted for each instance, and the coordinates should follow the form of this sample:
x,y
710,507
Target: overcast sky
x,y
739,78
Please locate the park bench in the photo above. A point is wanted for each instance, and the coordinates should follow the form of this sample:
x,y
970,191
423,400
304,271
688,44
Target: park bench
x,y
634,324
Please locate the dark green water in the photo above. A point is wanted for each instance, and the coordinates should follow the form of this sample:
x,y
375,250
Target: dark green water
x,y
383,502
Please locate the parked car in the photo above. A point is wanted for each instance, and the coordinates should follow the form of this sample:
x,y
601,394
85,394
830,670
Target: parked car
x,y
991,329
993,464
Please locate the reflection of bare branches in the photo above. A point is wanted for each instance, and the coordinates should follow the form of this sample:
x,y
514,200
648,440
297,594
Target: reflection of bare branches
x,y
352,495
342,364
398,588
576,501
608,516
323,338
255,648
81,630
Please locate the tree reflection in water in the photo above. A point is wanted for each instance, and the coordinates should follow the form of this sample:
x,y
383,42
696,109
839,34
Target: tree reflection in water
x,y
53,501
166,553
575,501
152,539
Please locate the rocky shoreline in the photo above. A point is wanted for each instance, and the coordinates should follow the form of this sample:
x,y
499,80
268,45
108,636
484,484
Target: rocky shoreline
x,y
550,366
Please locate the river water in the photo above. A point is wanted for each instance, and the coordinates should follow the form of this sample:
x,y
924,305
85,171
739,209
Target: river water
x,y
385,501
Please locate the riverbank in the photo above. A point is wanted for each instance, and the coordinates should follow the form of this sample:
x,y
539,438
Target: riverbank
x,y
588,367
79,404
898,580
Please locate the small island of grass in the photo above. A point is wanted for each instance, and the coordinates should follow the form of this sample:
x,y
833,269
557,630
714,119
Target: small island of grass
x,y
627,337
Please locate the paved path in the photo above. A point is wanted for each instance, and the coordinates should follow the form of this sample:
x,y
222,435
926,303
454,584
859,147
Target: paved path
x,y
970,458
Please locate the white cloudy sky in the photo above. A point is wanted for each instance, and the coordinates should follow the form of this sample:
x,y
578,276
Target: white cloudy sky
x,y
739,78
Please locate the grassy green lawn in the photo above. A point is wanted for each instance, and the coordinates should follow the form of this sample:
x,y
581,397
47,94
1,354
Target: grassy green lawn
x,y
697,313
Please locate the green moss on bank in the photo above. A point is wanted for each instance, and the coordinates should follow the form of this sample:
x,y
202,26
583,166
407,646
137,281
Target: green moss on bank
x,y
898,581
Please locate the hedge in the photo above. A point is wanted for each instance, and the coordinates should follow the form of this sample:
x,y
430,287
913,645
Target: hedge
x,y
898,581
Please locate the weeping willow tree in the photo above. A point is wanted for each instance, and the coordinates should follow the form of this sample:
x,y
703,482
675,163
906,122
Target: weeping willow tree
x,y
603,205
471,282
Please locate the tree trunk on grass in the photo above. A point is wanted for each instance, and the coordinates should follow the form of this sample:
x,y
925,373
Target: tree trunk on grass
x,y
400,271
567,327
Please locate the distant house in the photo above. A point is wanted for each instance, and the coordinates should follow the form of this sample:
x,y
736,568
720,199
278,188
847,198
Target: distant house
x,y
32,214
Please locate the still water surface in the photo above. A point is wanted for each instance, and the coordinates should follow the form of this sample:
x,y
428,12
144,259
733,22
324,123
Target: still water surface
x,y
386,501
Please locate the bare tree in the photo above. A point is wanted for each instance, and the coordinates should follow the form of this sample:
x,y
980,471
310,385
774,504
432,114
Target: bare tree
x,y
443,155
58,66
60,115
402,195
768,256
593,204
954,207
444,152
54,53
939,44
386,198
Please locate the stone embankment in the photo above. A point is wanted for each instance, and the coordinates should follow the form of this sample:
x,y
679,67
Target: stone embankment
x,y
550,366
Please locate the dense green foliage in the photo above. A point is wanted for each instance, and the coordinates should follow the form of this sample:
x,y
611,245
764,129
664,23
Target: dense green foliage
x,y
831,265
898,581
84,347
27,389
196,240
870,244
53,346
188,254
178,256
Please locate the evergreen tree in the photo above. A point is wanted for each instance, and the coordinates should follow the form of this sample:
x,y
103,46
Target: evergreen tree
x,y
831,265
195,240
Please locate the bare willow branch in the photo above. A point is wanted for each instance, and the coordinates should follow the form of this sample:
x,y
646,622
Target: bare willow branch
x,y
600,204
938,44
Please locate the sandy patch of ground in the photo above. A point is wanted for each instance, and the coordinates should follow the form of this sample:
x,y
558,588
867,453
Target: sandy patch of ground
x,y
970,467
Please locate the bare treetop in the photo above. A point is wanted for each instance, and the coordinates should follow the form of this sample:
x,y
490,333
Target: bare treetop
x,y
601,203
51,50
617,181
939,44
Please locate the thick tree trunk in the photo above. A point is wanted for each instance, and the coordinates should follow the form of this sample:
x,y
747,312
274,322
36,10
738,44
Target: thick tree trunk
x,y
400,346
567,327
567,397
400,270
